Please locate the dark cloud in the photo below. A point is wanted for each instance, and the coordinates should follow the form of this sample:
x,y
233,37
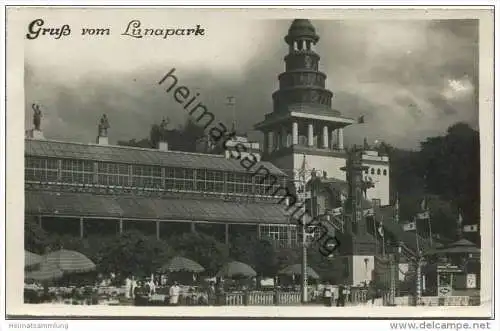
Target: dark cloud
x,y
397,74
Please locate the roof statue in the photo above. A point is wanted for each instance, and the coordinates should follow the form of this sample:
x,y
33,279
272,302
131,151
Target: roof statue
x,y
164,129
37,116
366,146
103,126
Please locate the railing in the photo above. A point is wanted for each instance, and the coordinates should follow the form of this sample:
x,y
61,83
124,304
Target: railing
x,y
261,298
289,298
358,296
234,299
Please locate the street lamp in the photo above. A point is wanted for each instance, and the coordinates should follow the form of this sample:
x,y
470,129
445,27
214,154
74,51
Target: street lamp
x,y
394,254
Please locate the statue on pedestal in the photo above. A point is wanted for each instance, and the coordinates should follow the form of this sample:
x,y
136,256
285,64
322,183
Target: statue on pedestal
x,y
103,126
164,129
37,116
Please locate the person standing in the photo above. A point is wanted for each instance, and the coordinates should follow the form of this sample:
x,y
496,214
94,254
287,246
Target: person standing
x,y
174,294
327,295
340,299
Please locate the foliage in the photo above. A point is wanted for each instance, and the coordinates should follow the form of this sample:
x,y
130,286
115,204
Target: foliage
x,y
35,238
202,248
132,253
183,139
446,170
451,164
257,253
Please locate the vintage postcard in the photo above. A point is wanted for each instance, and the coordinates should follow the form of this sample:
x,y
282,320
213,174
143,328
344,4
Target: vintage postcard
x,y
249,162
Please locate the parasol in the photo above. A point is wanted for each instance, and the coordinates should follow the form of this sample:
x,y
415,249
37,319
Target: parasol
x,y
179,263
31,259
462,246
296,269
46,272
70,261
236,268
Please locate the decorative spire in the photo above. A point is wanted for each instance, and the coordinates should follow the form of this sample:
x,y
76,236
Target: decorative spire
x,y
302,83
460,222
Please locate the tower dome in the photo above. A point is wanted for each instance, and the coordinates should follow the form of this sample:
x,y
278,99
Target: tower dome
x,y
301,29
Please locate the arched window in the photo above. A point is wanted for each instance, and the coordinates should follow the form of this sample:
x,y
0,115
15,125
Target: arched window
x,y
373,171
366,171
385,172
378,171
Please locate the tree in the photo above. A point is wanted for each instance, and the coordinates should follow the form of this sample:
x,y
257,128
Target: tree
x,y
132,253
257,253
451,165
201,248
35,238
184,139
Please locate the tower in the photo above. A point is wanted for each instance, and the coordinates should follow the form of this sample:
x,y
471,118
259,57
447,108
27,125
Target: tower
x,y
302,121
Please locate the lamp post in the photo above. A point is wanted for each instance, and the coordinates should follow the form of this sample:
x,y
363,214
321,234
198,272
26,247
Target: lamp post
x,y
418,280
301,187
395,251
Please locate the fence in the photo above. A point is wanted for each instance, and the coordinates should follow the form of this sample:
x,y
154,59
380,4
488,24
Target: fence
x,y
262,298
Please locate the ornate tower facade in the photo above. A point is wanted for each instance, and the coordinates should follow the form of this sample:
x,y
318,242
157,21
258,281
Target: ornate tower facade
x,y
302,121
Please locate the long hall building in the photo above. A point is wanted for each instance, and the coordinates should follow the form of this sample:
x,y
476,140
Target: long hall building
x,y
97,188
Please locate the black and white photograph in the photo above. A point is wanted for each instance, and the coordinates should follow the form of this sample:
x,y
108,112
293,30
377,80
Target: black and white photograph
x,y
184,160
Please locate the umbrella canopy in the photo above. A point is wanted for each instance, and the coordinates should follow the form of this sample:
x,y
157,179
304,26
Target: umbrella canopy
x,y
296,269
31,259
235,268
47,271
462,246
70,261
179,263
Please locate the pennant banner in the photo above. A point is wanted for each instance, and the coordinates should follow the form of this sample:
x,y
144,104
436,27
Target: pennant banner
x,y
411,226
423,215
471,228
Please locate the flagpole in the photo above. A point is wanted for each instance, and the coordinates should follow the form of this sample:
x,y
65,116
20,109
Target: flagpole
x,y
383,238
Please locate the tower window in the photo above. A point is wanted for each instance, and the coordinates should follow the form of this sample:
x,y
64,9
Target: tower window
x,y
385,172
378,171
373,171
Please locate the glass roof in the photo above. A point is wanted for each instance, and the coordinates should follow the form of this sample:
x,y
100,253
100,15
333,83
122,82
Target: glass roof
x,y
85,204
121,154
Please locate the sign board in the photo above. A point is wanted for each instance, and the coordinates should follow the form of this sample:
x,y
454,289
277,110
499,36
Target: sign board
x,y
449,268
471,281
444,291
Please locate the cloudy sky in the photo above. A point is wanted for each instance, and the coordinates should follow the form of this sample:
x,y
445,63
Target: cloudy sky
x,y
411,79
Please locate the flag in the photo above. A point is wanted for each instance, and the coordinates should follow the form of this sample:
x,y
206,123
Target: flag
x,y
380,230
423,205
423,215
410,226
361,119
396,209
471,228
231,101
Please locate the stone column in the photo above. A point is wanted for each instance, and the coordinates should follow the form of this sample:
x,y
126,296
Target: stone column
x,y
266,143
81,227
193,227
340,138
157,230
284,137
310,135
270,141
325,137
332,139
120,223
295,133
227,234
